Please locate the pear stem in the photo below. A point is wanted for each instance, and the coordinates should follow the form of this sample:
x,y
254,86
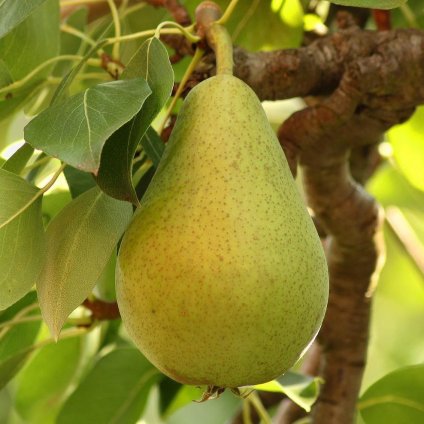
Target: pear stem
x,y
208,14
220,41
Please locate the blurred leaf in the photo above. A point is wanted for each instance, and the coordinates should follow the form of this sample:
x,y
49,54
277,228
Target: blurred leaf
x,y
5,77
408,144
262,24
53,202
402,20
17,340
76,129
69,44
373,4
151,62
13,12
21,240
16,163
26,46
396,398
80,240
168,391
144,182
43,382
399,298
217,411
153,145
105,286
174,396
114,391
78,181
6,405
62,89
145,18
301,389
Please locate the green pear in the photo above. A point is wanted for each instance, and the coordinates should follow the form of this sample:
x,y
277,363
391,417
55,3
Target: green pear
x,y
221,277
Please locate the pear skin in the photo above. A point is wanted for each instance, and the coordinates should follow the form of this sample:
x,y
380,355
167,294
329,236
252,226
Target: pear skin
x,y
221,276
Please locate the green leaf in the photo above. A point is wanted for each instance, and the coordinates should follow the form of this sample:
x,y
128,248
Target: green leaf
x,y
17,340
78,181
21,239
27,46
153,145
5,77
174,396
114,391
16,163
45,379
301,389
76,129
80,240
151,62
62,88
13,12
396,398
371,4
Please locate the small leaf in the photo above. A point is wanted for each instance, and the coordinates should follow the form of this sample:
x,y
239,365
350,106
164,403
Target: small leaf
x,y
371,4
16,163
301,389
396,398
114,391
21,239
13,12
76,129
42,384
16,341
151,62
153,145
80,240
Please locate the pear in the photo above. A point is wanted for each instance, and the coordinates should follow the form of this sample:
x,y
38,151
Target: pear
x,y
221,276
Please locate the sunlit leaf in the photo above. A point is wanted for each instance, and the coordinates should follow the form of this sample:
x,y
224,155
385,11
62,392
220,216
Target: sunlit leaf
x,y
396,398
114,391
301,389
16,163
151,62
80,240
76,129
21,238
